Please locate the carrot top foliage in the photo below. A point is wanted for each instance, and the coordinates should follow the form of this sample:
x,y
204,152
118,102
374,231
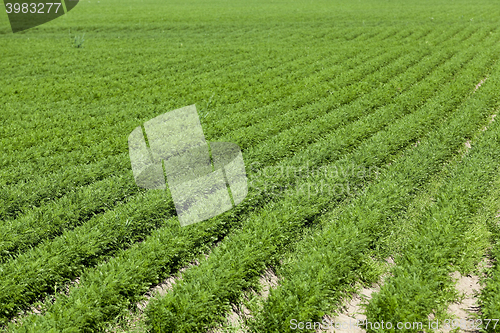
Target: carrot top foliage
x,y
346,112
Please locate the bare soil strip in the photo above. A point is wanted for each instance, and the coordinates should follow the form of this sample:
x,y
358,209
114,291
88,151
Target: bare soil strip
x,y
236,317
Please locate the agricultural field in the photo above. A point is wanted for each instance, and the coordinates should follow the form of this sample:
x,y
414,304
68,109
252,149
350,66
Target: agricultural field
x,y
371,147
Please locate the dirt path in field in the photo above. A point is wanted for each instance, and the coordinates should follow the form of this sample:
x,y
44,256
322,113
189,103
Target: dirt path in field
x,y
466,309
164,287
236,317
136,321
353,310
37,309
353,313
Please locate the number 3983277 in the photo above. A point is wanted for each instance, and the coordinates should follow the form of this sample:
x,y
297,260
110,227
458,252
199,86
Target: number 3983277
x,y
32,8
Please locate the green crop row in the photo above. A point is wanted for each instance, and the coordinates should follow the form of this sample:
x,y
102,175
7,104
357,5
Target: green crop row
x,y
19,199
489,297
37,271
368,103
13,202
101,150
322,269
489,300
200,300
447,239
74,209
68,148
26,290
149,260
476,239
44,228
36,231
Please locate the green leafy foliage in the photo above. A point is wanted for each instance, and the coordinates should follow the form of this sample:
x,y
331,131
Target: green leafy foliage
x,y
363,224
303,86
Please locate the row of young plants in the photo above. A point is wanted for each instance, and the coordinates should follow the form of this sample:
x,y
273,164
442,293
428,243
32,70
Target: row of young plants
x,y
49,184
42,225
325,74
50,220
324,267
464,240
368,103
473,250
18,200
199,301
85,158
146,262
489,297
447,238
41,144
15,199
37,271
43,228
345,83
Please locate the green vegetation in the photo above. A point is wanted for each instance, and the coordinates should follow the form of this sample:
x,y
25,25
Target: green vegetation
x,y
347,114
331,266
489,215
490,300
447,238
